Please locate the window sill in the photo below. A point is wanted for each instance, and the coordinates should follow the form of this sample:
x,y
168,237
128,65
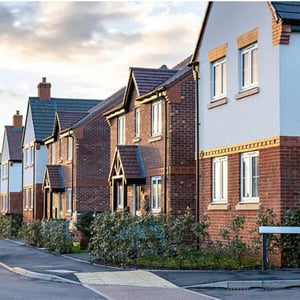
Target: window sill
x,y
247,93
136,140
156,211
248,206
218,206
155,138
217,103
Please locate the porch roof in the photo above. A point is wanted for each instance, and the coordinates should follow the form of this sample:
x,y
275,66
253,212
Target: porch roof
x,y
128,163
54,178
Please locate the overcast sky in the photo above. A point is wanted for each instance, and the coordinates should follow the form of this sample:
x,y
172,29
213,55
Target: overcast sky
x,y
85,49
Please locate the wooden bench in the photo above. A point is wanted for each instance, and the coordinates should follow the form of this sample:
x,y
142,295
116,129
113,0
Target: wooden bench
x,y
265,230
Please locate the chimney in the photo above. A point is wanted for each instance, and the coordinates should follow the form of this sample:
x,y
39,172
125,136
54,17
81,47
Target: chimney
x,y
44,89
17,120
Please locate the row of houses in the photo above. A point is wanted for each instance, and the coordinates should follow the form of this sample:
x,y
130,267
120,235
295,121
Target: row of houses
x,y
123,153
234,102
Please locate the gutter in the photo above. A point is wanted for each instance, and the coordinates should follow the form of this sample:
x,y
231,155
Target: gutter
x,y
195,67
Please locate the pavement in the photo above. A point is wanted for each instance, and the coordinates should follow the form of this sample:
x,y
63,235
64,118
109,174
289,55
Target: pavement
x,y
117,283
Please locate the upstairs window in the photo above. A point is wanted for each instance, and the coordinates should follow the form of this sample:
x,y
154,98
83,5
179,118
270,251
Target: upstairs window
x,y
121,130
220,179
60,148
70,148
137,122
219,78
53,154
156,122
31,155
249,66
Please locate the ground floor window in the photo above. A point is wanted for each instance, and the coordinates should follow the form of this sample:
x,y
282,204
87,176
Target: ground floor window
x,y
156,193
69,201
120,195
219,177
250,176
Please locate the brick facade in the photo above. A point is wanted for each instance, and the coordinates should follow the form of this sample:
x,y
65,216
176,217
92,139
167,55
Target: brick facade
x,y
178,109
279,186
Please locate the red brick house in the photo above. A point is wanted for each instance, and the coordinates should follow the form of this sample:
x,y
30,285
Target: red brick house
x,y
75,178
152,142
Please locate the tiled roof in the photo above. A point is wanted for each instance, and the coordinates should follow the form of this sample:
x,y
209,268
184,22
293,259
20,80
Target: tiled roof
x,y
43,112
55,176
147,79
109,103
288,11
67,119
14,140
131,160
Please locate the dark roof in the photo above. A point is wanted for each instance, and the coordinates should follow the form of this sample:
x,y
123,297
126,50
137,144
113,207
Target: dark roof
x,y
55,176
109,103
147,79
14,140
43,112
67,119
288,11
131,161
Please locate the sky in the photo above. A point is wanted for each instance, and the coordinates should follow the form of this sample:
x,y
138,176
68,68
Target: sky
x,y
85,49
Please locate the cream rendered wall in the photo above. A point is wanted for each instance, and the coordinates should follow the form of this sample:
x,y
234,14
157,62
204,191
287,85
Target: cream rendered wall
x,y
251,118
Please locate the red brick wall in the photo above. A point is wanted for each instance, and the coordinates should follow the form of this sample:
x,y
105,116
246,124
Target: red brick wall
x,y
16,206
92,166
180,149
279,185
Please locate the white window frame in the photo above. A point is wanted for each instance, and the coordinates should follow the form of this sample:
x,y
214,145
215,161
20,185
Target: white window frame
x,y
156,118
60,149
53,153
31,198
137,119
220,179
26,199
121,130
249,177
31,155
251,68
219,70
156,189
120,195
69,201
69,148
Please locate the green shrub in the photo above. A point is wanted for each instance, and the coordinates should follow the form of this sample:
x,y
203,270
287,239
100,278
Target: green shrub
x,y
290,243
53,235
10,225
34,233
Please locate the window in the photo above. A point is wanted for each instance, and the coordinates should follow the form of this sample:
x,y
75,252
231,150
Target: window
x,y
156,193
5,170
31,155
219,78
27,159
220,179
249,66
69,201
53,154
250,176
137,122
6,202
120,195
31,198
121,130
156,118
60,149
26,199
70,148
